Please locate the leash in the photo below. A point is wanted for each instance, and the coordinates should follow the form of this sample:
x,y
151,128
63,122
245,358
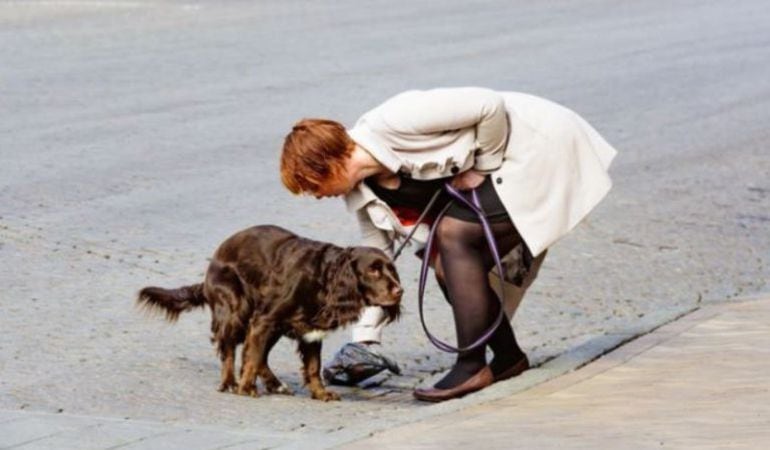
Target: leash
x,y
475,205
424,213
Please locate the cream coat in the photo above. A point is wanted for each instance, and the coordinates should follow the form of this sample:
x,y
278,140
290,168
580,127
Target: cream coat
x,y
549,166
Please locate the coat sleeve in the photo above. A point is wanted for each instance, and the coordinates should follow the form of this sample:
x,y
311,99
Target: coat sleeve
x,y
372,236
444,109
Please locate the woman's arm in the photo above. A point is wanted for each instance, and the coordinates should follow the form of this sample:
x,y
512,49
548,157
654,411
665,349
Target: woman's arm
x,y
444,109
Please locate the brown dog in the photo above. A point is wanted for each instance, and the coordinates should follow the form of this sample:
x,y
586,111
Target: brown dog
x,y
266,282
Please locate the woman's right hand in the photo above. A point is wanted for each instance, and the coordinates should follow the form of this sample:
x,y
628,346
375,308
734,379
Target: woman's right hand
x,y
470,179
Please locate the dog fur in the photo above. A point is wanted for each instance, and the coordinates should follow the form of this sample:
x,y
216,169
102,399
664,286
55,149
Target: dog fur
x,y
266,282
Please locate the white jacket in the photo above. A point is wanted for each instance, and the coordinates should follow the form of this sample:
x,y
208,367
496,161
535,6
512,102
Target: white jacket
x,y
548,165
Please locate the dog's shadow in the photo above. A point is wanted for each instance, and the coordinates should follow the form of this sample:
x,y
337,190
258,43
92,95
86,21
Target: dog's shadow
x,y
385,386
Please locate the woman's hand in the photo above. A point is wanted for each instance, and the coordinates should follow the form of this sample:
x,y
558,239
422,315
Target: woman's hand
x,y
470,179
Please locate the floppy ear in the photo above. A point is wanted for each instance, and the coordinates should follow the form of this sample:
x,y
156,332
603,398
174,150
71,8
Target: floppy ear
x,y
393,312
343,284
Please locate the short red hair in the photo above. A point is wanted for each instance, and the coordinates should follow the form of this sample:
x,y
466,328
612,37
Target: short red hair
x,y
314,152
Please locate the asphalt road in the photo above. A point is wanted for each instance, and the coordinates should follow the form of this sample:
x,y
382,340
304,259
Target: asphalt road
x,y
136,135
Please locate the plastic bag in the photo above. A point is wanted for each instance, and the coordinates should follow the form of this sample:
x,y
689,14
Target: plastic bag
x,y
355,362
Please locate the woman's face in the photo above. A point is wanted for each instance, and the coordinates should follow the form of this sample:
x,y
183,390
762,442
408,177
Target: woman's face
x,y
335,186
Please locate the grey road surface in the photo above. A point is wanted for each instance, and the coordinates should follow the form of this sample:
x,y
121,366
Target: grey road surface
x,y
136,135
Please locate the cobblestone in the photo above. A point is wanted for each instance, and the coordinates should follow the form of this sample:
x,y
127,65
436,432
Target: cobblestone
x,y
138,135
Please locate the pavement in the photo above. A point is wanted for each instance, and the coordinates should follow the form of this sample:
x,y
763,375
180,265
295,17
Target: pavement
x,y
697,382
136,135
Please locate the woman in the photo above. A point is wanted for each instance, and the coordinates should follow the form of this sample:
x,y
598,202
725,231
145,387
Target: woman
x,y
538,168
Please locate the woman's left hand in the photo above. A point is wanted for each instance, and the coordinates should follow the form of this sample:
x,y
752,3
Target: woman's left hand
x,y
470,179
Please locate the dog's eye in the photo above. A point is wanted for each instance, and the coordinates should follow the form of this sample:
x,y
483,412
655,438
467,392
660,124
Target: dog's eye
x,y
374,272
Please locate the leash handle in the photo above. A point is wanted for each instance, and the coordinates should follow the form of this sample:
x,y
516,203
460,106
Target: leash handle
x,y
474,205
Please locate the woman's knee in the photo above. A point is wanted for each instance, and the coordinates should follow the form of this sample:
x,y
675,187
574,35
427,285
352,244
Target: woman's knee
x,y
454,234
438,271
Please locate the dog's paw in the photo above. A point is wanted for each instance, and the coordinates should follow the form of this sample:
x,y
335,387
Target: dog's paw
x,y
279,388
250,391
326,396
227,387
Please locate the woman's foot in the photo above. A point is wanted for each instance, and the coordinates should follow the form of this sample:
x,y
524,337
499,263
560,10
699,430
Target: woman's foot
x,y
476,382
502,370
461,372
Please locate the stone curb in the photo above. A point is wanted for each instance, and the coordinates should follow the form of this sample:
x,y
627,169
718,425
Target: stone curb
x,y
559,372
553,374
638,363
552,369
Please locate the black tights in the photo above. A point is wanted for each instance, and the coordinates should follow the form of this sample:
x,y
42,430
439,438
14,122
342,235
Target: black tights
x,y
465,260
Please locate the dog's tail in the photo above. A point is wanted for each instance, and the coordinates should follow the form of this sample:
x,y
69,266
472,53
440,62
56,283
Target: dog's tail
x,y
172,302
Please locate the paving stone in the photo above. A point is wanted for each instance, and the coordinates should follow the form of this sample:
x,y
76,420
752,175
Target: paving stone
x,y
695,383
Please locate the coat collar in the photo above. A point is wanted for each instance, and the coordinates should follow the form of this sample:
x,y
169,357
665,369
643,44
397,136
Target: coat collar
x,y
359,197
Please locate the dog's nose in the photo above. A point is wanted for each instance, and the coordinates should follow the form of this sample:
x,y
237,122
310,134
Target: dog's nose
x,y
397,291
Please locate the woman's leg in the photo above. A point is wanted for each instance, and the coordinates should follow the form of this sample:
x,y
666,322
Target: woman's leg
x,y
503,344
465,260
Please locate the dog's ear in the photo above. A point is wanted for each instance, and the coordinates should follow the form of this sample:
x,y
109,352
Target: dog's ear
x,y
343,285
393,312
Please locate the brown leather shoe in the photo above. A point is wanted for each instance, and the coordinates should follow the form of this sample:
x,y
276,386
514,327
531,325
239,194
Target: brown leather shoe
x,y
513,371
482,379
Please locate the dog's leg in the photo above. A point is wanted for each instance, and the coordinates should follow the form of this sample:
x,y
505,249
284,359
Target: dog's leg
x,y
222,294
272,383
227,356
311,371
253,348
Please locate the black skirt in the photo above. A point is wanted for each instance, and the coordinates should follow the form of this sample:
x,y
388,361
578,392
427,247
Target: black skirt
x,y
415,194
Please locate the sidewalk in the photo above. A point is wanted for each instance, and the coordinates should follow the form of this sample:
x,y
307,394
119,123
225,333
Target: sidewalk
x,y
699,382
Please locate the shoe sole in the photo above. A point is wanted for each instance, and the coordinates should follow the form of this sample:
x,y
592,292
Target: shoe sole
x,y
516,370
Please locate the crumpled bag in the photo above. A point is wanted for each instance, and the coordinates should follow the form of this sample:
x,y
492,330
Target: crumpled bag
x,y
355,362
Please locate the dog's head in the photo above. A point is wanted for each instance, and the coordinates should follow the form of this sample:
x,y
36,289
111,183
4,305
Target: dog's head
x,y
369,274
377,277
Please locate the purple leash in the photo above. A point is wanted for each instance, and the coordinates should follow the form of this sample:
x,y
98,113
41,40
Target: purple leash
x,y
475,206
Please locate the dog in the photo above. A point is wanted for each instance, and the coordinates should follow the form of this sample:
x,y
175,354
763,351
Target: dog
x,y
266,282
